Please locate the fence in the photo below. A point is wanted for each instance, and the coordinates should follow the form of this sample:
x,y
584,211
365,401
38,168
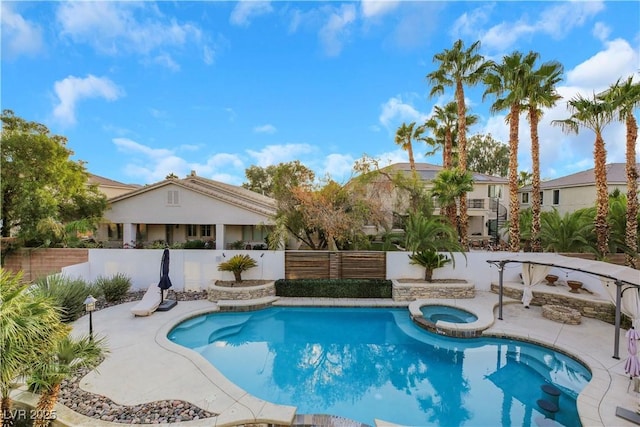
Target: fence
x,y
335,265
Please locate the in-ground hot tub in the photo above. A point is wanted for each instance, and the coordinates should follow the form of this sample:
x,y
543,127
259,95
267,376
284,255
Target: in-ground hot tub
x,y
436,312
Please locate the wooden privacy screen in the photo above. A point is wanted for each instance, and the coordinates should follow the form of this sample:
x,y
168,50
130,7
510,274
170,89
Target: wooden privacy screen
x,y
335,265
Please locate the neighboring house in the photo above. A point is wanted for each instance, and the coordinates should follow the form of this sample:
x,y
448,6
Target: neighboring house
x,y
109,187
487,202
193,208
576,191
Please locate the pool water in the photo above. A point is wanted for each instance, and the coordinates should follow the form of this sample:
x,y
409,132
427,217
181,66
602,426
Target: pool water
x,y
447,314
373,363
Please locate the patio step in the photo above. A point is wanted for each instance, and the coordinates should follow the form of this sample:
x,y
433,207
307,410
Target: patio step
x,y
246,305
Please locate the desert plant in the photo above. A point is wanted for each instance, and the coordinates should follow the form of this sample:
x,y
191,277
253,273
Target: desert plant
x,y
64,360
238,264
68,294
113,288
194,244
430,260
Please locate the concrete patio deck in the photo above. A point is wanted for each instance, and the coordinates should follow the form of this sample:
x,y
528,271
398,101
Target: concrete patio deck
x,y
144,366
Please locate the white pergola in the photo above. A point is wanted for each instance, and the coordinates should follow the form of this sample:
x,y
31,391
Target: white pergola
x,y
535,267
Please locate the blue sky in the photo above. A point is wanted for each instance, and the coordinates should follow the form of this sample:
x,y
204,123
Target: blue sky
x,y
143,89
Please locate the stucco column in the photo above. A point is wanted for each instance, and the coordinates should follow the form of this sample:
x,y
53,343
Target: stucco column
x,y
220,236
129,235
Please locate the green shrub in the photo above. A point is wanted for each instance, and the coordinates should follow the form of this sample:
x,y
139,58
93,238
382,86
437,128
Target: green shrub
x,y
113,288
68,294
334,288
194,244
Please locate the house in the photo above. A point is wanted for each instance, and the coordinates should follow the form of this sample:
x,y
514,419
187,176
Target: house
x,y
194,208
109,187
486,204
576,191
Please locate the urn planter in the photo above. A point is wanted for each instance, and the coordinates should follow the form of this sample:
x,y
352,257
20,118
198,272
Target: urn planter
x,y
575,286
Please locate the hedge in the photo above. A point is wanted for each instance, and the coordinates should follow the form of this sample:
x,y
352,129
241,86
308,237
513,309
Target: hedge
x,y
334,288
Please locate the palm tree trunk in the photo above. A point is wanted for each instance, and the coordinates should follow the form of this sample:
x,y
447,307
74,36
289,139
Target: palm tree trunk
x,y
602,195
447,152
45,406
462,162
631,234
514,208
536,245
5,416
412,162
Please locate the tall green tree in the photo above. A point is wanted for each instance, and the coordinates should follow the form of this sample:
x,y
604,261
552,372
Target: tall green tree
x,y
457,67
443,125
30,327
405,135
624,97
593,114
541,93
38,180
487,155
65,359
508,81
447,187
571,232
274,180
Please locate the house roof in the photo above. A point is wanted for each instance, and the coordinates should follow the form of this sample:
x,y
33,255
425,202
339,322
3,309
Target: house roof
x,y
106,182
428,172
231,194
616,174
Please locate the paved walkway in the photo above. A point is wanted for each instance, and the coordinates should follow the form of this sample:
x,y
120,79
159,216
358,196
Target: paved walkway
x,y
144,366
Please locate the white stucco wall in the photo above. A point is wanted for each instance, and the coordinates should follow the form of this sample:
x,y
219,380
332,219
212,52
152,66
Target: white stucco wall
x,y
188,269
151,207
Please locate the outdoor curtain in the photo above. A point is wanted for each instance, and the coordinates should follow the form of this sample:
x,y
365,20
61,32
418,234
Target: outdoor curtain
x,y
532,274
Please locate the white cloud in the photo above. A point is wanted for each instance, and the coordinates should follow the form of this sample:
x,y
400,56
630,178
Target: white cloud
x,y
556,20
469,23
154,164
601,31
396,111
73,89
336,30
339,166
274,154
619,59
246,10
375,8
117,28
165,60
19,36
268,128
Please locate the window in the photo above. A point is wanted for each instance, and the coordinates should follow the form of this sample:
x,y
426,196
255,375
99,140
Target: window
x,y
114,231
173,197
205,231
525,197
251,233
192,230
494,191
541,198
556,197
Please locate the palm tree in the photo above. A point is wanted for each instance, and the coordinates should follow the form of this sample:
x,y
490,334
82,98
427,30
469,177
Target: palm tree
x,y
624,96
593,114
404,137
68,356
443,125
29,327
524,178
459,67
541,93
448,186
508,81
569,233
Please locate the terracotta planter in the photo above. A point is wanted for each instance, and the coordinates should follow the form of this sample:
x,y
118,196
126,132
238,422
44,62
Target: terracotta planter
x,y
575,286
551,279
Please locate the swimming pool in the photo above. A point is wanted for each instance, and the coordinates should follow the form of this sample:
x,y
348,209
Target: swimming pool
x,y
373,363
